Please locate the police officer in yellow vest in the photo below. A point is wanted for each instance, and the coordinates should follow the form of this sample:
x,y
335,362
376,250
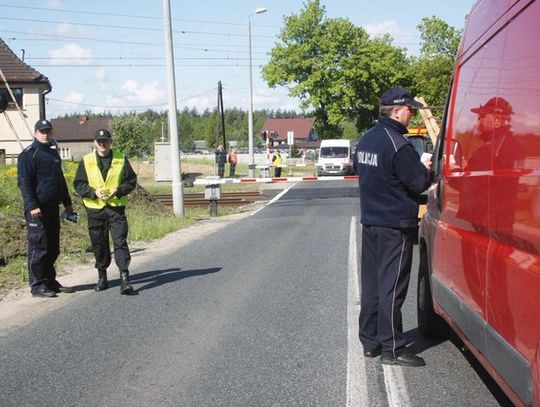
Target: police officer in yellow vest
x,y
104,179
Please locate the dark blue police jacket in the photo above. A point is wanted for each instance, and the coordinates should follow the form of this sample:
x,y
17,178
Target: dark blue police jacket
x,y
40,177
391,176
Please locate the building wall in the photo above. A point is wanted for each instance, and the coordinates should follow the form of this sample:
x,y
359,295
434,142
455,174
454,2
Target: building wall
x,y
32,112
74,150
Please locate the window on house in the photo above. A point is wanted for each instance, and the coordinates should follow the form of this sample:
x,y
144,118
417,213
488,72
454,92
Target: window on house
x,y
18,93
65,153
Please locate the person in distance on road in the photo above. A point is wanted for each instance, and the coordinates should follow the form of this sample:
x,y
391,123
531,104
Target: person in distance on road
x,y
391,177
43,187
104,178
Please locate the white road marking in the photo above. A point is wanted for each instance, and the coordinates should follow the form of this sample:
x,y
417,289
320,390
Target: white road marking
x,y
274,199
357,393
396,389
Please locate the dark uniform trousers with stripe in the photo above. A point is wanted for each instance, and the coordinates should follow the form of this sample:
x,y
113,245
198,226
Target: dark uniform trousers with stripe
x,y
43,246
100,221
386,268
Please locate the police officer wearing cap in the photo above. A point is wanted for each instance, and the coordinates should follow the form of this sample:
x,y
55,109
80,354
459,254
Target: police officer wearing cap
x,y
391,178
104,178
43,187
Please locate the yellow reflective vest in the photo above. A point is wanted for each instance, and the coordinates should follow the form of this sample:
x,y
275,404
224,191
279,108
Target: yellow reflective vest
x,y
96,181
276,160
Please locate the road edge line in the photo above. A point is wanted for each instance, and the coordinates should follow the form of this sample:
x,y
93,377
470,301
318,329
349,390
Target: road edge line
x,y
357,392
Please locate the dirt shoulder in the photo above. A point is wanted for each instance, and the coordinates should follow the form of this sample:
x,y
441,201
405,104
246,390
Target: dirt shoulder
x,y
19,308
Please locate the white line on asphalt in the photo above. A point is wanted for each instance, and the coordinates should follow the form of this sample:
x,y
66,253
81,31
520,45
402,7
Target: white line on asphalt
x,y
357,393
396,389
274,199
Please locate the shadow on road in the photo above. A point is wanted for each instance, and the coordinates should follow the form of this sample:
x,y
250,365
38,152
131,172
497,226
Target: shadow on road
x,y
155,278
421,343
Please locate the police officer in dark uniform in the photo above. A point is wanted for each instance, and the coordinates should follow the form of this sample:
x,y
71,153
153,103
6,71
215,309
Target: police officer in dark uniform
x,y
43,187
221,159
104,178
391,178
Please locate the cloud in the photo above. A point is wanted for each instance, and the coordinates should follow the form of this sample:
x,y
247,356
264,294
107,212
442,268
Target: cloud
x,y
68,29
70,54
73,97
101,74
263,98
54,4
385,27
133,93
402,38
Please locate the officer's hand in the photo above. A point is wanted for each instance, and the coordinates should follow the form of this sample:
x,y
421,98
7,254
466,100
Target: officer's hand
x,y
112,193
35,213
100,194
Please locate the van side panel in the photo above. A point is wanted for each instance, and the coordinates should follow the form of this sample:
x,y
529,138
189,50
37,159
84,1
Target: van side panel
x,y
488,232
513,283
466,194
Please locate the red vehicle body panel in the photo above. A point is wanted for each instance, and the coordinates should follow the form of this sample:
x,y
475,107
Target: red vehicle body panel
x,y
482,228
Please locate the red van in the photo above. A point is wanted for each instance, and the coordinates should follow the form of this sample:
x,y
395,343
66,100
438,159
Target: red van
x,y
480,238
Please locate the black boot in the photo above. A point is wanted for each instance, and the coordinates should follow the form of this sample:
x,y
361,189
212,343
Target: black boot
x,y
125,287
102,283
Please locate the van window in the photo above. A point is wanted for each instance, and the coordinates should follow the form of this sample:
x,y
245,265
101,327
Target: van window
x,y
334,152
478,81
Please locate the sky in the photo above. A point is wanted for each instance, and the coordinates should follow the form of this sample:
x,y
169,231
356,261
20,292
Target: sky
x,y
109,56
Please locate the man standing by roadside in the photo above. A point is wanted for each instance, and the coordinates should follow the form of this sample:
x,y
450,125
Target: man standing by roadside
x,y
221,159
43,188
104,179
276,162
391,179
233,159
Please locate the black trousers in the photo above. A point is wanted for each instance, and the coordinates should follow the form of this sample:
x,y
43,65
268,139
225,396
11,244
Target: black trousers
x,y
100,223
43,246
277,172
232,168
221,170
386,269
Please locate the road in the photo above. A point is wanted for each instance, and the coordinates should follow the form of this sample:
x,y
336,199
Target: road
x,y
261,313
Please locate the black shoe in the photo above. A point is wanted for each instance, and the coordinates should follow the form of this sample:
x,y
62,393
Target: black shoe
x,y
43,292
372,353
59,288
125,287
407,358
102,284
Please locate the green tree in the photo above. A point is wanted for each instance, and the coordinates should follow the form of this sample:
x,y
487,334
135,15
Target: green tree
x,y
334,68
295,153
133,135
431,72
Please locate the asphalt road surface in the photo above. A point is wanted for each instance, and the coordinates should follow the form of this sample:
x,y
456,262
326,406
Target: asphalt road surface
x,y
261,313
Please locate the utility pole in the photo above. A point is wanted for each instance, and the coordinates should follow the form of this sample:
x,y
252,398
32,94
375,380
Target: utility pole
x,y
177,192
222,114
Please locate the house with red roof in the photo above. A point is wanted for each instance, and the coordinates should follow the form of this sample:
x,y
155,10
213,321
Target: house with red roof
x,y
29,88
298,130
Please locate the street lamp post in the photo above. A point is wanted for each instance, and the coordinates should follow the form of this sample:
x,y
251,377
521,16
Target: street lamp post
x,y
260,10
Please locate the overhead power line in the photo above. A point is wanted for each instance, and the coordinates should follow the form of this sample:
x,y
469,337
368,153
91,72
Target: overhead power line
x,y
127,27
130,106
108,14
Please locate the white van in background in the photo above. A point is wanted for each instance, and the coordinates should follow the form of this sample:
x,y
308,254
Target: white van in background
x,y
335,158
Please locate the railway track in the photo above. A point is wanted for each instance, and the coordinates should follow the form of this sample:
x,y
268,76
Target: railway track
x,y
227,199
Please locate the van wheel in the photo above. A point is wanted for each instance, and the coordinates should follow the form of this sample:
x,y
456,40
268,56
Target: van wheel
x,y
429,323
